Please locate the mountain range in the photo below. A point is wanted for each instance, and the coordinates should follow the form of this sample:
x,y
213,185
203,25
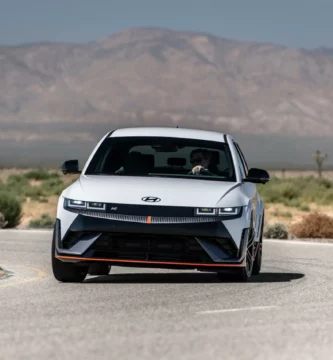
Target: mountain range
x,y
69,95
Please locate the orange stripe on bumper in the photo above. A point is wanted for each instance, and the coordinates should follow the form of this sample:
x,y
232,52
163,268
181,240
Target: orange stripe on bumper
x,y
148,262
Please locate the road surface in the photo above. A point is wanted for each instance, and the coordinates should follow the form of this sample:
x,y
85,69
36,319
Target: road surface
x,y
284,313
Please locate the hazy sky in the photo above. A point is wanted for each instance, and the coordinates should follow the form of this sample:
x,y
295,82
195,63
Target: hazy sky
x,y
295,23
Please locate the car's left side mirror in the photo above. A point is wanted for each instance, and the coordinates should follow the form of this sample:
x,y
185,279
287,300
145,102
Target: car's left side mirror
x,y
70,167
257,176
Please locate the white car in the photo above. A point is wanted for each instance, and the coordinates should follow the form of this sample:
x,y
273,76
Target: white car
x,y
160,197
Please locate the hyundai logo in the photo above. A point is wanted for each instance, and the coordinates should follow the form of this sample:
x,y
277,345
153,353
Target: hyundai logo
x,y
151,199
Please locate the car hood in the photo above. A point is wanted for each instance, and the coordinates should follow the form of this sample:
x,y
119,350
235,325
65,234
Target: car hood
x,y
171,191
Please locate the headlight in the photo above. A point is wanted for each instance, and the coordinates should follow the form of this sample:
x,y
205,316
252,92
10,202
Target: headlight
x,y
96,206
206,211
79,204
76,204
218,211
230,210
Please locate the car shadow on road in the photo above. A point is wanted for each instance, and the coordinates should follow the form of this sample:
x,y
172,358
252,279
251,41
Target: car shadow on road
x,y
189,278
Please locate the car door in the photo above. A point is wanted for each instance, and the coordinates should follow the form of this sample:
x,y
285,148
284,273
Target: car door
x,y
249,189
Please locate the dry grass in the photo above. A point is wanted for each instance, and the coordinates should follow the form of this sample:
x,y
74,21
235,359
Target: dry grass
x,y
33,210
315,225
277,213
5,173
327,174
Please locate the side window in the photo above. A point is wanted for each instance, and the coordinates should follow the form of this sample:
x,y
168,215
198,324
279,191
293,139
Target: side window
x,y
240,163
243,158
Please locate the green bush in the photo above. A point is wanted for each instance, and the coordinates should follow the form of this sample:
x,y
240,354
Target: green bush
x,y
304,207
276,231
294,192
40,175
53,186
44,222
20,186
11,208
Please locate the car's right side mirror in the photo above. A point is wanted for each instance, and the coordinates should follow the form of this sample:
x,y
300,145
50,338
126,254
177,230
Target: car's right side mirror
x,y
70,167
257,176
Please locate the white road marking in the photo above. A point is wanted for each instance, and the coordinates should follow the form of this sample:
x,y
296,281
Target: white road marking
x,y
237,309
26,231
298,242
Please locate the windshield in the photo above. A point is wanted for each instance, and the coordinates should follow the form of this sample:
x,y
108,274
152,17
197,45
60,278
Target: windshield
x,y
163,156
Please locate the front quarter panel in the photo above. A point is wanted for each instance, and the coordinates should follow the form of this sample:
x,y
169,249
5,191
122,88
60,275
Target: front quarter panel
x,y
66,217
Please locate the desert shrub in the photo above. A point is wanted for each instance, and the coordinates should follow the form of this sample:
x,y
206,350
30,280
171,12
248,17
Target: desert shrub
x,y
304,207
17,183
276,231
20,186
327,197
45,221
11,208
296,191
40,175
313,225
285,214
53,186
33,192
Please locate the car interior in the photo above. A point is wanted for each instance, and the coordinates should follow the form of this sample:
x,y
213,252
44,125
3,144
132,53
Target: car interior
x,y
147,159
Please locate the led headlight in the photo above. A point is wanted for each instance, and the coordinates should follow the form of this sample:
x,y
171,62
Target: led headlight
x,y
229,210
79,204
206,211
76,204
218,211
96,206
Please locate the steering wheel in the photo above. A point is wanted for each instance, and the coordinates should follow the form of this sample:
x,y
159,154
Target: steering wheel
x,y
202,171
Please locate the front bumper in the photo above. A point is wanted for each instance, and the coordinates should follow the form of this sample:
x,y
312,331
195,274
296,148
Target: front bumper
x,y
202,246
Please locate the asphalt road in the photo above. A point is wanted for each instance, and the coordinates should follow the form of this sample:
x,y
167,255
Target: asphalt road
x,y
284,313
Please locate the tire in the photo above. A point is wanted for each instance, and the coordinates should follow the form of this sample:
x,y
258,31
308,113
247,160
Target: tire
x,y
99,269
243,274
258,259
66,272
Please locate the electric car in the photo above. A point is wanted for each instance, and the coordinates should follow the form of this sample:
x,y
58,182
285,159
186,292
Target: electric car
x,y
168,198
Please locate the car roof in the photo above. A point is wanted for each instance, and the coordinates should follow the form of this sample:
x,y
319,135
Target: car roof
x,y
170,132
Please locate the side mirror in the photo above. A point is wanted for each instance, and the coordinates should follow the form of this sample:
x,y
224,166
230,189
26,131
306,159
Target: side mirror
x,y
70,167
257,176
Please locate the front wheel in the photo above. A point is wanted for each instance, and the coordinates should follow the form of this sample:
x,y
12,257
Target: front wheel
x,y
66,272
244,274
258,256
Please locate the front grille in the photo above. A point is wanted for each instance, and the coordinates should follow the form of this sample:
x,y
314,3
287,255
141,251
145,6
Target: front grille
x,y
153,247
153,219
149,247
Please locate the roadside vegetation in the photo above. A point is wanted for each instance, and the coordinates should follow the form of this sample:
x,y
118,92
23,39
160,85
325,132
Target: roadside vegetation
x,y
31,193
296,206
298,192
